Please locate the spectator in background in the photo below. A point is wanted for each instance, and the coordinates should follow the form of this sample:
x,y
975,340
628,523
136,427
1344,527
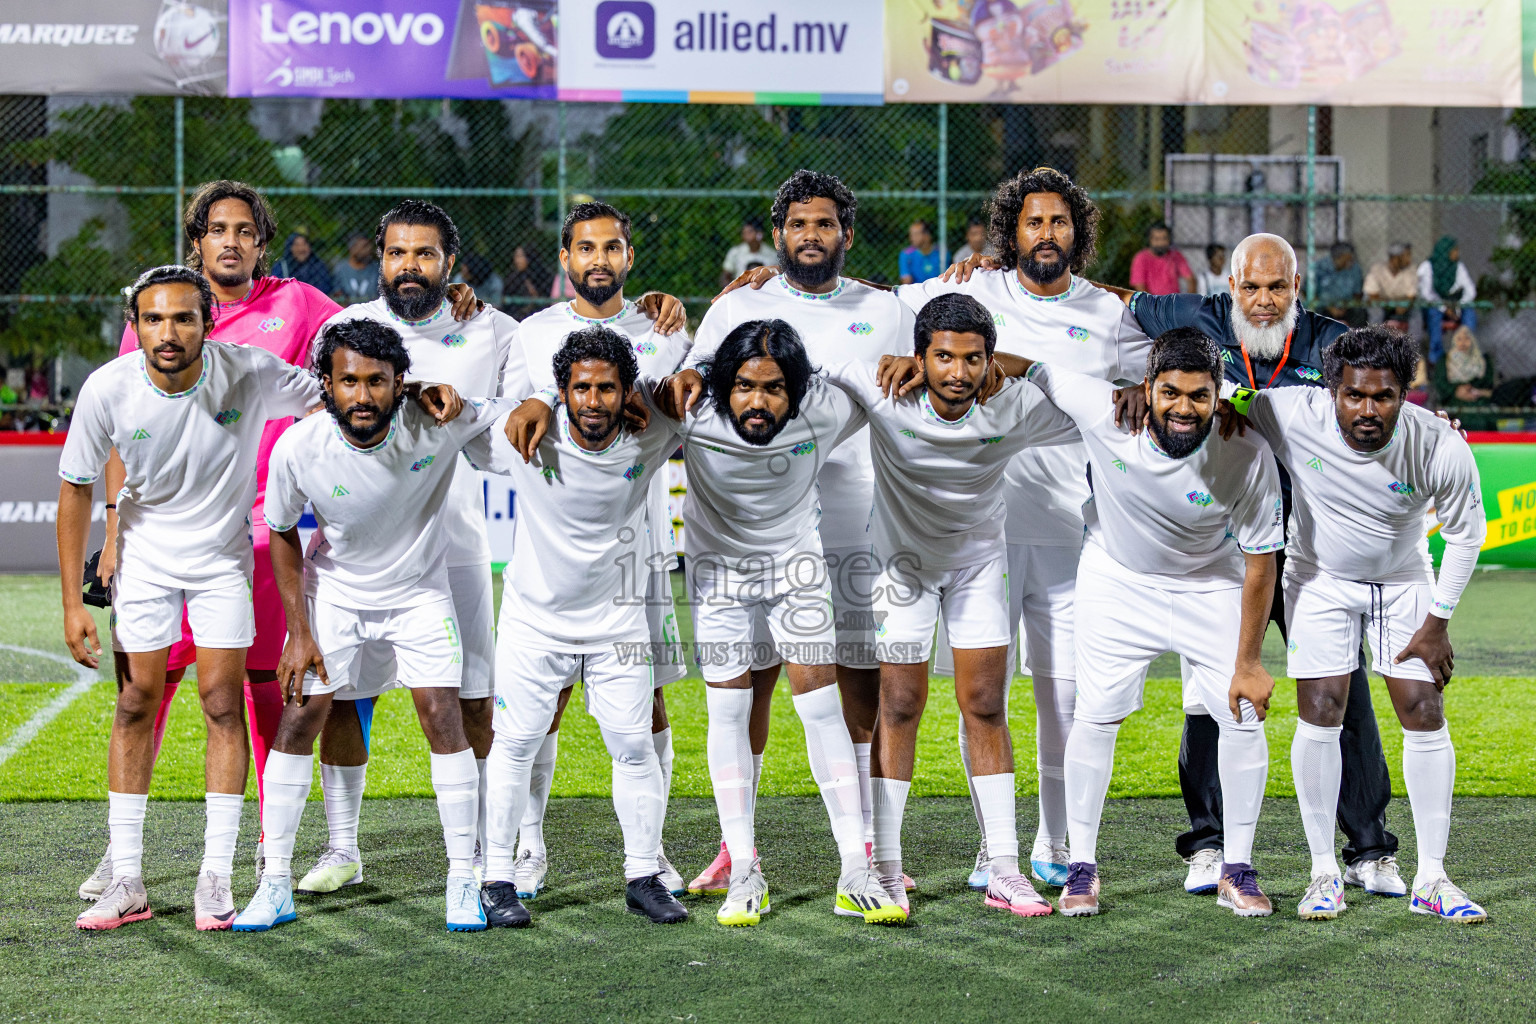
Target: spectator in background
x,y
1213,279
299,261
1443,285
477,272
920,260
1160,269
355,278
975,240
1464,377
740,257
526,280
1337,283
1393,285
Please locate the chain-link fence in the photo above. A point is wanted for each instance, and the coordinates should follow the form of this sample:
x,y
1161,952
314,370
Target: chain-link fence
x,y
90,189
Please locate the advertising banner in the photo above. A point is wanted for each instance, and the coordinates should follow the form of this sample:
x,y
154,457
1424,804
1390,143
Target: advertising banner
x,y
1507,471
1043,51
29,504
145,47
1366,53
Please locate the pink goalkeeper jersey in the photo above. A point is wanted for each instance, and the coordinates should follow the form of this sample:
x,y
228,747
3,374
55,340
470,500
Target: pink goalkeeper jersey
x,y
281,315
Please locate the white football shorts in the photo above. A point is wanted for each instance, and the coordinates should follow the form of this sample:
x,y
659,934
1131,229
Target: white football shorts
x,y
618,689
1325,616
422,642
470,586
908,601
147,616
731,617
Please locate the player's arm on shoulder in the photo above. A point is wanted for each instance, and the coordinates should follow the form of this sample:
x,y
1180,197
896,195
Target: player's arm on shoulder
x,y
754,278
1157,314
1086,399
286,389
668,312
491,451
859,379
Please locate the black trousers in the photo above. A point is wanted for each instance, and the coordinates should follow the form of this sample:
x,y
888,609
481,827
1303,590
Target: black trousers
x,y
1364,788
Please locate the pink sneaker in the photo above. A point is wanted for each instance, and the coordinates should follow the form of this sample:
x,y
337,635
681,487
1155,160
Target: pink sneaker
x,y
714,880
1014,894
906,879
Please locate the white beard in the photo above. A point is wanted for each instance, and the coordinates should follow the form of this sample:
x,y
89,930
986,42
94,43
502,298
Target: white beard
x,y
1266,343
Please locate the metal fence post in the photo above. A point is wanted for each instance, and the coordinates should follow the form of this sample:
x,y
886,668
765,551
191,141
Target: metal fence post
x,y
1311,200
181,176
943,238
561,183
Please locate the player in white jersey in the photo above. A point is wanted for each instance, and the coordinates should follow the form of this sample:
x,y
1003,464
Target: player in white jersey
x,y
573,606
1044,231
1179,555
417,245
836,319
186,415
377,474
939,459
596,257
755,447
1365,469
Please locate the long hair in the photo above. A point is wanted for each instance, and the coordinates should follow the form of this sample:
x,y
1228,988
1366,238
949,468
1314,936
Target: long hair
x,y
600,343
195,223
1008,203
752,340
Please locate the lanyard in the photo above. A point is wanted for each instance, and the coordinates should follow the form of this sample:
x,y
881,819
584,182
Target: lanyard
x,y
1283,357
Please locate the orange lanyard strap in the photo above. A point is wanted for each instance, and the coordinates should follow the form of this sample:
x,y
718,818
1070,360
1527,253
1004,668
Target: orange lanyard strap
x,y
1283,357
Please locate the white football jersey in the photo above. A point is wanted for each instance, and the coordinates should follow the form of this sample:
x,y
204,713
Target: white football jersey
x,y
1361,515
853,322
184,511
382,511
540,336
577,579
471,356
1185,520
755,506
1084,329
939,483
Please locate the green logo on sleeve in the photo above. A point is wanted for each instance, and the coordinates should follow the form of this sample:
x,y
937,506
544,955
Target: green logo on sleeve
x,y
1119,465
339,491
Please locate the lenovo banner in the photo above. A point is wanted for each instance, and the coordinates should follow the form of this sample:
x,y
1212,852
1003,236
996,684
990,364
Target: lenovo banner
x,y
146,47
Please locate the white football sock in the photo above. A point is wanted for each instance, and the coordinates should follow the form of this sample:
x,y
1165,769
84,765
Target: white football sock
x,y
996,795
287,781
890,804
1055,699
221,832
1429,773
757,776
965,762
125,831
1242,762
342,787
1317,764
861,753
662,742
731,771
507,773
637,799
1090,760
457,785
541,777
835,769
480,837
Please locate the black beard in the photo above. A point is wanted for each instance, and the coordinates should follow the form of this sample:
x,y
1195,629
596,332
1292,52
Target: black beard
x,y
595,295
1178,446
1046,273
233,280
418,305
589,436
344,419
758,436
810,275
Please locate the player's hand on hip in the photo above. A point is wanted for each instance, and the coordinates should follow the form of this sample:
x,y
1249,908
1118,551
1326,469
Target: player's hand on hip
x,y
527,425
1253,684
80,635
1432,645
440,401
899,374
637,415
1130,408
754,278
1230,420
300,655
461,297
961,272
668,311
680,391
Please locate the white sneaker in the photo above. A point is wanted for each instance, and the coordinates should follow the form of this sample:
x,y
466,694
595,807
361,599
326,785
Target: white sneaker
x,y
896,889
464,911
92,888
1014,894
1324,899
213,905
1048,862
528,874
861,894
1377,877
746,901
123,902
272,905
334,869
981,874
1204,871
669,874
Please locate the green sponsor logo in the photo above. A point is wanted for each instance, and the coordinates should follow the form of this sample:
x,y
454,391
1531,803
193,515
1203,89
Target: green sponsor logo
x,y
1315,463
140,435
339,491
1119,465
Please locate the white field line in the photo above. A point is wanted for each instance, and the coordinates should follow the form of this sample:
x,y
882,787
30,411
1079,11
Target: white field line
x,y
85,678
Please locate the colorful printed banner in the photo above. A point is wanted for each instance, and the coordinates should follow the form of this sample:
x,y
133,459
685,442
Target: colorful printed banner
x,y
146,47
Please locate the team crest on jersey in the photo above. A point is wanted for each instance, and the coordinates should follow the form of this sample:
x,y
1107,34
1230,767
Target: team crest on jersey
x,y
1279,511
501,704
270,324
454,341
1309,373
339,491
1199,498
1118,465
140,435
1077,333
992,440
227,417
803,448
1291,646
421,464
909,433
645,347
861,329
1400,487
1226,355
1315,463
633,472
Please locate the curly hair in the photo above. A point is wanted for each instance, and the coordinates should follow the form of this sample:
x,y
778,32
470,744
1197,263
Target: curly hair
x,y
753,339
600,343
419,212
1008,205
803,186
172,273
1373,348
365,337
201,201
